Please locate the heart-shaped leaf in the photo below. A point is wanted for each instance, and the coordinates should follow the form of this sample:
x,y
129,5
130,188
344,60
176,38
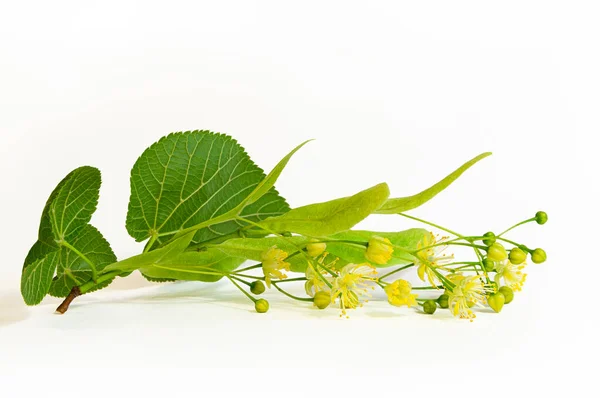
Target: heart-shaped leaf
x,y
191,177
65,240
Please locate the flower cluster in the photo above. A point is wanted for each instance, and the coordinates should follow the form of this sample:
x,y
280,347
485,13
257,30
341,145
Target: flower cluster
x,y
490,279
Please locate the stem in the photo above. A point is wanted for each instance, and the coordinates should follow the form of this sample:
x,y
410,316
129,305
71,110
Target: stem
x,y
241,280
516,225
428,287
514,243
83,257
467,244
64,306
290,295
242,290
86,287
397,270
432,224
150,243
261,278
290,280
248,268
475,249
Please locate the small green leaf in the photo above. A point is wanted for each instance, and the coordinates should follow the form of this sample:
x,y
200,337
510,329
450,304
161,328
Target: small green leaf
x,y
90,242
399,205
407,240
188,178
66,213
322,219
46,242
37,277
75,203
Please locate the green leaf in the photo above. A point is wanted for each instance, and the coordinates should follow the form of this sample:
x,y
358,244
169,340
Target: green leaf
x,y
64,222
205,266
191,177
36,278
407,240
322,219
90,242
399,205
46,243
75,203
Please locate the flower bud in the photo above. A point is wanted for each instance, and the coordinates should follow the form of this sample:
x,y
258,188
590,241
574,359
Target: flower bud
x,y
322,299
443,301
257,287
488,265
315,249
538,256
508,294
517,256
496,301
541,217
489,239
379,250
497,252
261,306
286,234
429,307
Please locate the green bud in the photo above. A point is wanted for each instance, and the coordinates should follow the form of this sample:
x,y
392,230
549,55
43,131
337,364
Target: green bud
x,y
517,256
322,300
488,265
286,234
538,256
541,217
257,287
489,239
508,294
261,306
443,301
496,301
429,307
497,252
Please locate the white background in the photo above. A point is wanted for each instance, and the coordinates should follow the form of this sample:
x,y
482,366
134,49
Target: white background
x,y
398,92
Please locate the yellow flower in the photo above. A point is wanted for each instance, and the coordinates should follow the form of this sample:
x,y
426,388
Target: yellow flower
x,y
272,264
314,282
468,291
399,293
379,250
511,273
352,284
315,249
430,258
